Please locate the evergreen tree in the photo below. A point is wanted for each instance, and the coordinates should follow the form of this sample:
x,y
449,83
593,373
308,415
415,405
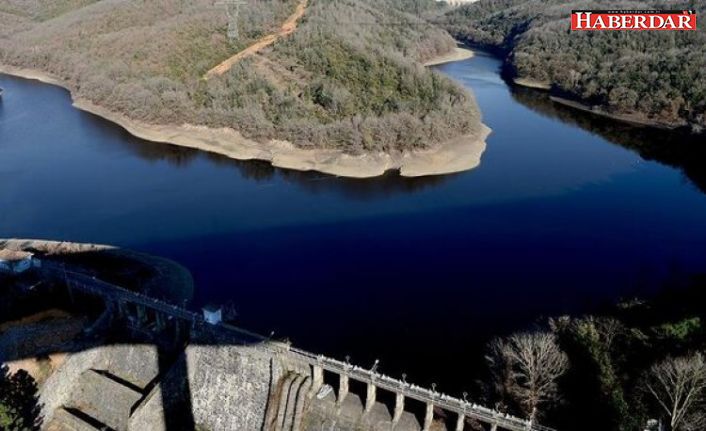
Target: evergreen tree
x,y
19,408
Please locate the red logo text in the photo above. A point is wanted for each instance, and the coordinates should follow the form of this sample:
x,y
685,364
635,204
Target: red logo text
x,y
593,20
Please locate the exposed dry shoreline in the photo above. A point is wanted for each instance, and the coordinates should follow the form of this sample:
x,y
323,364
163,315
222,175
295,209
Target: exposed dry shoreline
x,y
531,83
459,53
459,154
633,119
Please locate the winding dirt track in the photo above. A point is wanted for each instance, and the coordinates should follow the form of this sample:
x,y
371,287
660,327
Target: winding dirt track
x,y
287,28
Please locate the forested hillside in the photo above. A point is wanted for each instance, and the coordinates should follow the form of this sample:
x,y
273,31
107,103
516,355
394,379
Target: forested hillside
x,y
348,78
658,77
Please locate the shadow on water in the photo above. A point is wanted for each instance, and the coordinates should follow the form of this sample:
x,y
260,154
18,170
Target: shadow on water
x,y
391,183
677,149
112,134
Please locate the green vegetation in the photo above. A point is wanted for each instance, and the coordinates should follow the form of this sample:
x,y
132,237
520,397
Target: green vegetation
x,y
636,361
348,78
656,77
18,401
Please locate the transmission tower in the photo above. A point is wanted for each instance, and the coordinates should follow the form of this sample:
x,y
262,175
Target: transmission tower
x,y
233,11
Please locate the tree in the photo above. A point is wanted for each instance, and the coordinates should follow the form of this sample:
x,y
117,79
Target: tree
x,y
654,77
678,385
526,367
19,410
595,345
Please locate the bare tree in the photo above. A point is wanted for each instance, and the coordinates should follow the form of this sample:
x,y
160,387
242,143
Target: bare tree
x,y
526,367
678,385
608,329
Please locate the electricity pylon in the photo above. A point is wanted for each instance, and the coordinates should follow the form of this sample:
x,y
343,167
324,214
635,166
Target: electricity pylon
x,y
233,11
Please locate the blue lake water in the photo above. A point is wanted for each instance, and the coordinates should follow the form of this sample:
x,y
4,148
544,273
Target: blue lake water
x,y
565,213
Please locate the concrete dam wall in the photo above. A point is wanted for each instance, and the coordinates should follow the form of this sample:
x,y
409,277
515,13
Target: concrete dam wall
x,y
222,387
229,388
152,365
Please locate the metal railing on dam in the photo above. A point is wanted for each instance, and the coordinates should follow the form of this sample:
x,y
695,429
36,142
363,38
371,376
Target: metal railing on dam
x,y
455,405
318,363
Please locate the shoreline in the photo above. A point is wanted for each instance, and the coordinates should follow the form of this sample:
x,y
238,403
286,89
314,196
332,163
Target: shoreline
x,y
457,155
546,87
458,54
177,278
625,118
531,83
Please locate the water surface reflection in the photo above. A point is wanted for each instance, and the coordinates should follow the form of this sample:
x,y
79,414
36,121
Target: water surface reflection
x,y
679,149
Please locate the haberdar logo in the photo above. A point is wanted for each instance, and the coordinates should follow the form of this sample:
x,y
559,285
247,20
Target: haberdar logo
x,y
592,20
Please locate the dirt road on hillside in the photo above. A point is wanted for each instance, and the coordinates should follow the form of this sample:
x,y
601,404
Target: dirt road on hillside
x,y
287,28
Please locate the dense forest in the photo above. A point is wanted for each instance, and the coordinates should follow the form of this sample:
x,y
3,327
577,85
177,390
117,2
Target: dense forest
x,y
655,77
348,78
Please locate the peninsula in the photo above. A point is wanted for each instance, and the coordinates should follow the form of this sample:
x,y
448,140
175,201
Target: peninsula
x,y
641,77
307,85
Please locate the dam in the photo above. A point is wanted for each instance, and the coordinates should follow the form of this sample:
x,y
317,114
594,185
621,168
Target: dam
x,y
235,379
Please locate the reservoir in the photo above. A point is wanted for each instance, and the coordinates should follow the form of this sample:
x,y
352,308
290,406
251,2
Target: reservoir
x,y
566,213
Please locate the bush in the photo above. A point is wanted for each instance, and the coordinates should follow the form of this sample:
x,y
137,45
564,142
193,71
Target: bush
x,y
19,410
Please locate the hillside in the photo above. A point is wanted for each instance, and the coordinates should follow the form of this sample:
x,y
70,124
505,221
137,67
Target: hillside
x,y
657,78
349,78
